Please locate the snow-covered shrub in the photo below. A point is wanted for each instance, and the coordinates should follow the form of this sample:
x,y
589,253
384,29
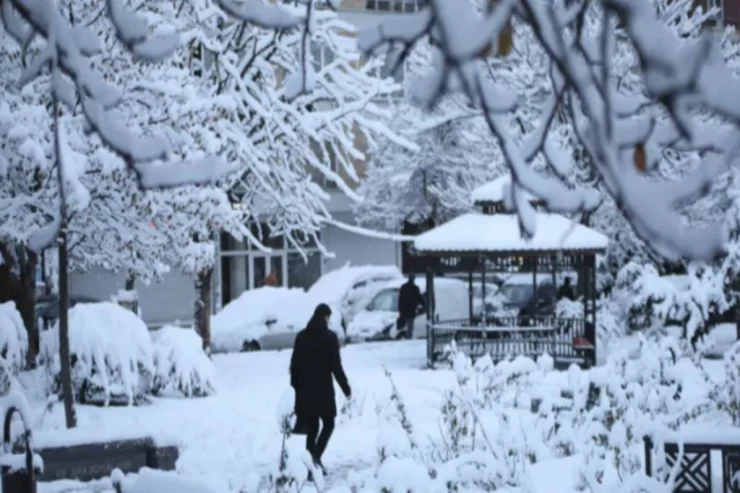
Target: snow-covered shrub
x,y
13,337
396,437
637,394
703,299
111,354
180,364
292,472
489,435
652,300
566,308
610,329
727,396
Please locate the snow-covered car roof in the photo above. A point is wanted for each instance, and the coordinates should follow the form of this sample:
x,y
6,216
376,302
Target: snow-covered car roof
x,y
260,311
334,285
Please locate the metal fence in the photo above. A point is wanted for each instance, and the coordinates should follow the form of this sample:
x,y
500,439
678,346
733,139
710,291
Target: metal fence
x,y
566,340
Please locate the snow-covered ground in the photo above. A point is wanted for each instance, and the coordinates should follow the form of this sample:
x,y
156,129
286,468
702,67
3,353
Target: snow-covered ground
x,y
234,437
233,442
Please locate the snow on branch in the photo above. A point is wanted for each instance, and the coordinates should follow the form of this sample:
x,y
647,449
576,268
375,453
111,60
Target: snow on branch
x,y
369,232
681,78
77,84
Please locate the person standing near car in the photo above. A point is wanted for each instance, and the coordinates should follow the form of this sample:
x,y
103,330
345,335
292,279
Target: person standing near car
x,y
314,362
409,302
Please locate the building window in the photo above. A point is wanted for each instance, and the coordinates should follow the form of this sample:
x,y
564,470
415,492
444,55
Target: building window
x,y
321,54
303,273
395,5
244,267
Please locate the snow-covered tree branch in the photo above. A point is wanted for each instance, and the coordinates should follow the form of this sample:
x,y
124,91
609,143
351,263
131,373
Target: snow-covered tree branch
x,y
682,77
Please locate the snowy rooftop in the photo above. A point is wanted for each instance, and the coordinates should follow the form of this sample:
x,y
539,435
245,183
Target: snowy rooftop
x,y
500,232
494,191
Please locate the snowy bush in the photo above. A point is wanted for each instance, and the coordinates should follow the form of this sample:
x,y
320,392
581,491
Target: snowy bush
x,y
652,300
727,396
111,354
180,364
13,337
566,308
636,394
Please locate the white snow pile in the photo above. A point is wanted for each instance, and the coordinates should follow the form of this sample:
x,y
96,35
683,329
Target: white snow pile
x,y
566,308
500,423
13,337
180,364
349,288
259,312
111,354
151,480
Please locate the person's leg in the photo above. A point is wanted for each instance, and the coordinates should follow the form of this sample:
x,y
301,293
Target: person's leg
x,y
312,431
327,428
410,327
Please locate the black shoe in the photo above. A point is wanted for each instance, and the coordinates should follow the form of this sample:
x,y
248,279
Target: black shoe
x,y
310,477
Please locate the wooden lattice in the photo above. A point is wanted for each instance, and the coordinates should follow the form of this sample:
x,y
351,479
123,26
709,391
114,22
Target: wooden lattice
x,y
695,472
731,471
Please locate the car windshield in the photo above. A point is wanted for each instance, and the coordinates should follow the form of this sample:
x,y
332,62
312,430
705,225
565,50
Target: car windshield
x,y
386,301
516,294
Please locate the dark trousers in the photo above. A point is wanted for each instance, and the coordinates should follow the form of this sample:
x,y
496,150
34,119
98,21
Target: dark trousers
x,y
408,324
316,442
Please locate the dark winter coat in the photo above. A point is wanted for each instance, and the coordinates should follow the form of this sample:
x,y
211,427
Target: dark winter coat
x,y
566,291
409,300
315,360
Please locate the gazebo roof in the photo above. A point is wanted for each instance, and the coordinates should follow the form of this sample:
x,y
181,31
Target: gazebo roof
x,y
494,191
490,233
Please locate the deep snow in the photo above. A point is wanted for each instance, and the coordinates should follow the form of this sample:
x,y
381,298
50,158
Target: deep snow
x,y
232,439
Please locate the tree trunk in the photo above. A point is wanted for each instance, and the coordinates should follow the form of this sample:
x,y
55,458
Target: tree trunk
x,y
203,287
26,301
64,355
18,280
130,281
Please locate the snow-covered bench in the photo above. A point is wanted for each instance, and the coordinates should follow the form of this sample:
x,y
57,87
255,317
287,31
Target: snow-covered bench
x,y
88,461
688,455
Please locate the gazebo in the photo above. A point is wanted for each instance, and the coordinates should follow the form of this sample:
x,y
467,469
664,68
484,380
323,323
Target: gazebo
x,y
488,243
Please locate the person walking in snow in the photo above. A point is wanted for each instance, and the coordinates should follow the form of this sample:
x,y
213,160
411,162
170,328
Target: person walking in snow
x,y
409,301
314,362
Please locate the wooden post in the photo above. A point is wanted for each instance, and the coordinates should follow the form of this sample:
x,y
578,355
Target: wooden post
x,y
470,297
482,261
430,315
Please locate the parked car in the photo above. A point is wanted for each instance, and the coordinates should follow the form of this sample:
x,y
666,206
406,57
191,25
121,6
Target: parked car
x,y
516,296
264,318
47,309
348,289
378,321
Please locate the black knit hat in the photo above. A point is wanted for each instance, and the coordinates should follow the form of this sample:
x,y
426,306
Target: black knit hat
x,y
322,310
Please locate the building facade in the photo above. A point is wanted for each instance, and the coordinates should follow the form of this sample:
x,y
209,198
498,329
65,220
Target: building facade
x,y
240,267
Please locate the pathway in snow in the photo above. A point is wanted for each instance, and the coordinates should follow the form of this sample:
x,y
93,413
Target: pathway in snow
x,y
233,438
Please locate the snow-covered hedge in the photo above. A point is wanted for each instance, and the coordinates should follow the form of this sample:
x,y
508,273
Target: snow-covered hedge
x,y
180,364
13,337
501,422
648,301
111,354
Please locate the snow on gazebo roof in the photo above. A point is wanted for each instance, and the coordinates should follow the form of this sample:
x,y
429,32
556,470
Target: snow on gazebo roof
x,y
478,232
494,191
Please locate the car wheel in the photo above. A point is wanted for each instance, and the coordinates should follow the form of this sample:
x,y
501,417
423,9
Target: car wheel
x,y
250,346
